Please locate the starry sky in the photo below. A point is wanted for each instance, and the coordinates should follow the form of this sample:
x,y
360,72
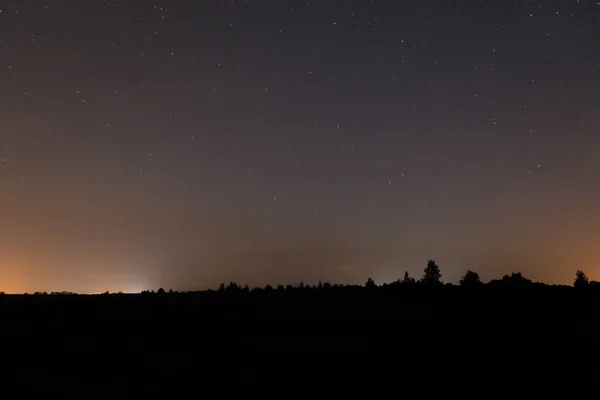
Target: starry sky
x,y
186,143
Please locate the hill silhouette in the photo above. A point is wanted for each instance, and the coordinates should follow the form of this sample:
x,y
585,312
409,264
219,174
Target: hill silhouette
x,y
167,342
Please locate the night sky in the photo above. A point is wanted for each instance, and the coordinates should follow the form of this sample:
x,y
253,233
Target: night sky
x,y
186,143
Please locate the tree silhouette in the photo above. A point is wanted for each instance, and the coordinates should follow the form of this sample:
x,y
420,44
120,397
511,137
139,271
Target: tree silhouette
x,y
407,279
370,283
470,279
431,275
581,280
160,291
514,280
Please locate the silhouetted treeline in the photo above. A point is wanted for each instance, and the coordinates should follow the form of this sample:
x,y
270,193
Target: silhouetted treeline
x,y
510,329
431,278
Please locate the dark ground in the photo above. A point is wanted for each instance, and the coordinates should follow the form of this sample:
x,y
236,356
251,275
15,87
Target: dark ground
x,y
132,346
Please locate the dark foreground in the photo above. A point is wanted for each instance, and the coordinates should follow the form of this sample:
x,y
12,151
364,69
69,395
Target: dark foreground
x,y
134,346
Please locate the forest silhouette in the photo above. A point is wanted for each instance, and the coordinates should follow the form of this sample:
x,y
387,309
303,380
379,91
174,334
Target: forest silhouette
x,y
301,335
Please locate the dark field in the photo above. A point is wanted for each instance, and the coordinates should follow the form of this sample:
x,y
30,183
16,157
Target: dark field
x,y
343,337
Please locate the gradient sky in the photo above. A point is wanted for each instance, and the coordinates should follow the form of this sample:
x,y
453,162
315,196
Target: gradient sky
x,y
185,143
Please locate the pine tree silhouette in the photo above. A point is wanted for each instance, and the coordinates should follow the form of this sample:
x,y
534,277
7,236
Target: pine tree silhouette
x,y
581,280
432,275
